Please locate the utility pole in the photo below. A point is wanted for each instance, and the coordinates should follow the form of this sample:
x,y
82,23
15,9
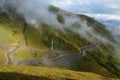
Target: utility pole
x,y
52,45
24,34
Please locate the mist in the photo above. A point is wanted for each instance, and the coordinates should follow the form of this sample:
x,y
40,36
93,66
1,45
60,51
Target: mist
x,y
36,12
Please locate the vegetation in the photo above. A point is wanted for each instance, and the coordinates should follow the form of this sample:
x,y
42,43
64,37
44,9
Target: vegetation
x,y
8,35
22,54
60,18
2,57
44,73
97,26
101,62
26,54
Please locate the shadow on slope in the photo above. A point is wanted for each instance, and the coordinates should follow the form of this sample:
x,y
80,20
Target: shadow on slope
x,y
18,76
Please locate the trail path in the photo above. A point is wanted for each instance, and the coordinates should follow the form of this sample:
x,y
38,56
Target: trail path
x,y
64,59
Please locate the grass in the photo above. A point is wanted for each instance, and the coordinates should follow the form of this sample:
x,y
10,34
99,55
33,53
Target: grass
x,y
26,54
45,73
2,57
88,64
34,37
8,37
97,26
22,54
97,62
13,32
101,62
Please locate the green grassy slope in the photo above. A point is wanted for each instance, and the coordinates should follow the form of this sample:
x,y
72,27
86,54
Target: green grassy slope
x,y
2,57
44,73
101,62
27,54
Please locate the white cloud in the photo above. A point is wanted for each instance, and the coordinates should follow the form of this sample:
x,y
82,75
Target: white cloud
x,y
115,4
105,16
62,3
90,6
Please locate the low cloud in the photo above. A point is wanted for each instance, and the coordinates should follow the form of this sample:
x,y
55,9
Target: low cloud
x,y
36,12
91,6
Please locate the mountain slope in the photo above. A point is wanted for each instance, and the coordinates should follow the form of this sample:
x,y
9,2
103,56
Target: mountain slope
x,y
23,44
44,73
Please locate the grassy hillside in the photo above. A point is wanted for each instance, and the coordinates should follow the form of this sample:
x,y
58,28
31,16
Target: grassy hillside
x,y
2,57
27,54
100,62
36,43
44,73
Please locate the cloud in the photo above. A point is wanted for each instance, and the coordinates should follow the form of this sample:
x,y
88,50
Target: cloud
x,y
36,12
115,4
63,3
104,17
92,6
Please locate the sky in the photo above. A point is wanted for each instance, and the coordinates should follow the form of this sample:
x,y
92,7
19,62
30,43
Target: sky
x,y
106,11
103,7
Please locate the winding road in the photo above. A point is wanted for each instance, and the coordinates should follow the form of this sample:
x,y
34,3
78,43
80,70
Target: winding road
x,y
65,59
9,59
68,59
12,48
9,50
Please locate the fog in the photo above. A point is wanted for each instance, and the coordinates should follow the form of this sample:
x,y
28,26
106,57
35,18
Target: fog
x,y
36,12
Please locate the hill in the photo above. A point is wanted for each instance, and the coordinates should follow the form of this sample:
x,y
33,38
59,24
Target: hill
x,y
83,44
45,73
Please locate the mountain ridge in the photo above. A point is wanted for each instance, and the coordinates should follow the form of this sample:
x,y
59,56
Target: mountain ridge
x,y
63,40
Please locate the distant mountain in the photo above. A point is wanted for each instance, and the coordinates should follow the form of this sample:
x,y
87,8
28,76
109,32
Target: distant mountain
x,y
112,21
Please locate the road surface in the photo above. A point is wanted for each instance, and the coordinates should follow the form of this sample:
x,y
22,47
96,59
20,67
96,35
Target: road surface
x,y
64,59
